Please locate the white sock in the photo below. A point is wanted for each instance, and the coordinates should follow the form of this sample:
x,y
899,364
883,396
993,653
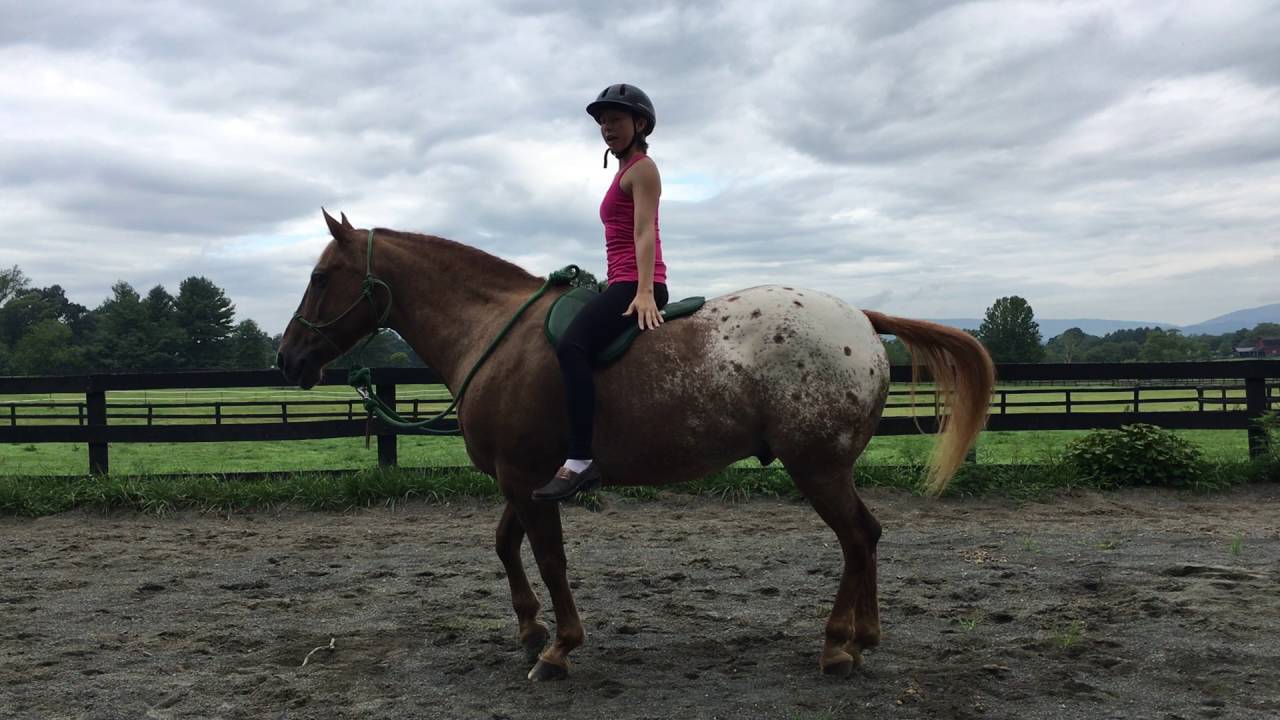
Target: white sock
x,y
577,465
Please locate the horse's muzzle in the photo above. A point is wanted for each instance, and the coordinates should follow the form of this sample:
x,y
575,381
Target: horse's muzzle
x,y
292,369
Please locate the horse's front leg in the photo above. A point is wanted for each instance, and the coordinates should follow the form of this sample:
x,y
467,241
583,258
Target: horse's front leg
x,y
541,522
510,536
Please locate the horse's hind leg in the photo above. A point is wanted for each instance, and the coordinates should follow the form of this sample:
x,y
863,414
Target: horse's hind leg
x,y
510,535
854,624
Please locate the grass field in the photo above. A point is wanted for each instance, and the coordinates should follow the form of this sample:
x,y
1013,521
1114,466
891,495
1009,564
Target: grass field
x,y
350,453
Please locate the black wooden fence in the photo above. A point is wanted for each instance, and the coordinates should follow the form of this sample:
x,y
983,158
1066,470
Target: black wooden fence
x,y
1227,395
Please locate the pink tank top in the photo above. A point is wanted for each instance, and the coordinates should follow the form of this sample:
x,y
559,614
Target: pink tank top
x,y
618,213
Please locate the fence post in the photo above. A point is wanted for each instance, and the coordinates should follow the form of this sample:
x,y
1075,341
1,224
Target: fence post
x,y
1255,402
387,440
97,402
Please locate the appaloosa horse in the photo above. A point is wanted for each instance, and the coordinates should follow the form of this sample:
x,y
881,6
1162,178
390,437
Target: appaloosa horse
x,y
771,372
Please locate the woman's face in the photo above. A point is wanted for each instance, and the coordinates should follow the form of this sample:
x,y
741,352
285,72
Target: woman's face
x,y
617,127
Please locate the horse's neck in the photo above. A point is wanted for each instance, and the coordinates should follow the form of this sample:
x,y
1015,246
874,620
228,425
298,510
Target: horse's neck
x,y
450,302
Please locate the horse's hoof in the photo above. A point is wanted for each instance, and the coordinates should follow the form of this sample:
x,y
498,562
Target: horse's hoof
x,y
533,644
545,671
840,664
840,669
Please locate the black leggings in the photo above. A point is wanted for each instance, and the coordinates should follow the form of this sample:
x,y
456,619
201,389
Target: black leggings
x,y
594,327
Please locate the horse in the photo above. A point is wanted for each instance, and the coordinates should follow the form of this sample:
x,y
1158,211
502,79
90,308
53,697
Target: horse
x,y
773,372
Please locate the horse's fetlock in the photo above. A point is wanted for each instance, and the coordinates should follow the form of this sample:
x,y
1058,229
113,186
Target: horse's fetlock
x,y
867,637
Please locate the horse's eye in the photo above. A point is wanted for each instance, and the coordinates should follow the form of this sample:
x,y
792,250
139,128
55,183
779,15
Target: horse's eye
x,y
318,280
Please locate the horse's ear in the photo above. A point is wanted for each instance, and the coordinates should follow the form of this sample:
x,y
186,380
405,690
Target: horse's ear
x,y
335,228
345,222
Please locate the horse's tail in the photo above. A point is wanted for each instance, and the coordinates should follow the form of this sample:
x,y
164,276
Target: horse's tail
x,y
963,375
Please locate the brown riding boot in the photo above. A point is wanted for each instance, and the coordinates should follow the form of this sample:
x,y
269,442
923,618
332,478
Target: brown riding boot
x,y
567,482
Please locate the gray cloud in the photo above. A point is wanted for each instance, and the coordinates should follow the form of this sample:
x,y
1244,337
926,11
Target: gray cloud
x,y
1099,158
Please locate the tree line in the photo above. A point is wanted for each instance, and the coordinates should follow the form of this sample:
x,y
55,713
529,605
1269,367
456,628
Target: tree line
x,y
42,332
1011,334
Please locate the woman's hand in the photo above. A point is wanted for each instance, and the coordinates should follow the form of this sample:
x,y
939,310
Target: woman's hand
x,y
645,310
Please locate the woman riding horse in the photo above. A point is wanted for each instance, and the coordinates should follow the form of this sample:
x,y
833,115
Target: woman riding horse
x,y
636,278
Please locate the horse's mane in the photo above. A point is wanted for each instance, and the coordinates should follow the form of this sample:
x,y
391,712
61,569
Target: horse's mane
x,y
490,266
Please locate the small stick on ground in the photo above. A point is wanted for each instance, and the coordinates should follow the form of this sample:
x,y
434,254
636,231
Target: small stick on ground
x,y
330,646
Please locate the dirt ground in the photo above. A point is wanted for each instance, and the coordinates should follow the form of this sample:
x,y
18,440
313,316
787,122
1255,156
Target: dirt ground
x,y
1119,605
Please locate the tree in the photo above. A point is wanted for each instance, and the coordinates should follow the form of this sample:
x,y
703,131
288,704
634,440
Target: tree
x,y
897,352
1120,351
1262,331
12,282
120,338
1010,331
164,337
251,348
47,349
1170,346
204,315
1070,346
22,313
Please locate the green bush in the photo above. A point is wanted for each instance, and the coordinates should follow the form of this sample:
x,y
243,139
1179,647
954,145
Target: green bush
x,y
1140,454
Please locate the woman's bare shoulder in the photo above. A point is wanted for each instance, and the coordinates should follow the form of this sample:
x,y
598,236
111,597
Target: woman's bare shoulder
x,y
645,170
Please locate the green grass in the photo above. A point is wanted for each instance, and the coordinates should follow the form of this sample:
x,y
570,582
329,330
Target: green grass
x,y
1015,463
43,495
34,496
350,453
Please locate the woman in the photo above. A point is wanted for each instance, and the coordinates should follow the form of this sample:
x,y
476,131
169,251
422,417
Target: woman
x,y
637,277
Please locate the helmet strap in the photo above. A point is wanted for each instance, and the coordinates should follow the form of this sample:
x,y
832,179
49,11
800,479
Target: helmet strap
x,y
634,137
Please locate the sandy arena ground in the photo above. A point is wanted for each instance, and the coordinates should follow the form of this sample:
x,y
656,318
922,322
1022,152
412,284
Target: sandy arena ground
x,y
1120,605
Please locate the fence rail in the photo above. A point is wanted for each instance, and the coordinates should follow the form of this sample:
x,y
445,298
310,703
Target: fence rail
x,y
1226,396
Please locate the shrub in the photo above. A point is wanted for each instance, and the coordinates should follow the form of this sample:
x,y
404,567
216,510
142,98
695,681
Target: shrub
x,y
1140,454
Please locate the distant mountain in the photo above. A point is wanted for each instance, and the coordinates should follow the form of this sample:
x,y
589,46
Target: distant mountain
x,y
1051,327
1235,320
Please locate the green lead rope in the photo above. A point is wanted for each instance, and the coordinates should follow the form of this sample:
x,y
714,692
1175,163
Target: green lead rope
x,y
361,378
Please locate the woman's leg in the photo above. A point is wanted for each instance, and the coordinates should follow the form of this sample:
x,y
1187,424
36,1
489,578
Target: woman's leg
x,y
595,326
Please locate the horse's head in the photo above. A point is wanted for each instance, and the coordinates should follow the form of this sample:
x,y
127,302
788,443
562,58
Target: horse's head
x,y
342,304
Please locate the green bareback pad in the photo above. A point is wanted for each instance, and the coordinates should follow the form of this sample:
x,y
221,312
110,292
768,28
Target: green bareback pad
x,y
566,307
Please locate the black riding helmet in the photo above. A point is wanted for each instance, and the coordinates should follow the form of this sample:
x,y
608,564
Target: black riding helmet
x,y
624,97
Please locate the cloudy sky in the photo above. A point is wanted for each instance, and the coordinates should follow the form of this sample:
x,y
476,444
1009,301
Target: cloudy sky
x,y
1101,159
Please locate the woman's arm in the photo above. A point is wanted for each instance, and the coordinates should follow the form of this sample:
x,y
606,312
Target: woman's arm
x,y
646,188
